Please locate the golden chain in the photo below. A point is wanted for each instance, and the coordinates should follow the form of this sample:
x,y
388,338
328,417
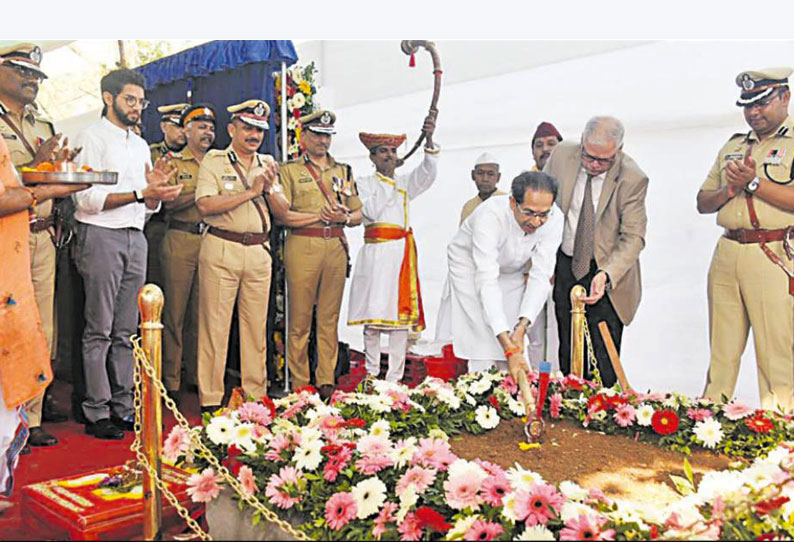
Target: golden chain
x,y
203,451
595,374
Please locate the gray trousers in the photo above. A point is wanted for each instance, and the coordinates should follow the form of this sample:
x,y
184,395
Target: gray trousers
x,y
113,265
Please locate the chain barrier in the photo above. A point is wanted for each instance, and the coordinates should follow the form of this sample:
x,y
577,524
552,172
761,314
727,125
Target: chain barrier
x,y
141,361
595,374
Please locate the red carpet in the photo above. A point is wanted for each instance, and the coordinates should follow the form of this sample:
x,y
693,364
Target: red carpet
x,y
76,453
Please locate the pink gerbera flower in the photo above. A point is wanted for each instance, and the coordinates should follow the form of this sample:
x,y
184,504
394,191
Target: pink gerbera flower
x,y
539,504
510,385
435,453
483,530
555,404
176,444
462,492
409,529
386,515
255,413
581,528
624,415
340,509
492,469
736,410
698,414
420,477
278,444
246,478
205,486
373,464
371,445
494,488
277,493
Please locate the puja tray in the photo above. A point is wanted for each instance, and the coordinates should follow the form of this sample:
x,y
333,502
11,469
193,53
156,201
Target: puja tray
x,y
70,177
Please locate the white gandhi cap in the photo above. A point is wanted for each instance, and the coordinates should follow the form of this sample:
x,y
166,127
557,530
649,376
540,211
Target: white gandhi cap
x,y
486,158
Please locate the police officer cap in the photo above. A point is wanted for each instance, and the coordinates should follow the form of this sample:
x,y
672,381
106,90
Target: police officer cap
x,y
197,112
321,122
252,112
172,113
24,55
758,84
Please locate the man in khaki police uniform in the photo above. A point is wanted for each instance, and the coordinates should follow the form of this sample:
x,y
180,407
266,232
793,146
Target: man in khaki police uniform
x,y
235,254
174,138
751,188
32,140
316,249
180,251
173,141
485,176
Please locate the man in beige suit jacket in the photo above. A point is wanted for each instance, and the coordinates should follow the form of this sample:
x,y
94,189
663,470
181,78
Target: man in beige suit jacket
x,y
602,240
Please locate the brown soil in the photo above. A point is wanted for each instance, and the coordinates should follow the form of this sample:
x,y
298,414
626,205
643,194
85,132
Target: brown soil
x,y
618,466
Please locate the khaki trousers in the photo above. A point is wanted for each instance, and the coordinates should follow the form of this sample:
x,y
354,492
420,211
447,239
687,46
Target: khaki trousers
x,y
745,289
42,271
316,273
179,266
227,269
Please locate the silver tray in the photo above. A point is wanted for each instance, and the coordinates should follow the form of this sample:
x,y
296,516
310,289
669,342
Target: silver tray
x,y
70,177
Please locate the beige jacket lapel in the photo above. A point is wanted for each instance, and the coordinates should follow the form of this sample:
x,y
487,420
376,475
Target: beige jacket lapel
x,y
570,170
609,186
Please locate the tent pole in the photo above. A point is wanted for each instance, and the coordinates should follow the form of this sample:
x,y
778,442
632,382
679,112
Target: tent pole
x,y
284,159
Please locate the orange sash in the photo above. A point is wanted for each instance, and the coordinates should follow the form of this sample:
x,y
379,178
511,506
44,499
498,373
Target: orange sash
x,y
409,303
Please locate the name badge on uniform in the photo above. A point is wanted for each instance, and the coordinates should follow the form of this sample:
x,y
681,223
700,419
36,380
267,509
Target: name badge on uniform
x,y
734,156
184,176
13,137
228,178
775,157
305,180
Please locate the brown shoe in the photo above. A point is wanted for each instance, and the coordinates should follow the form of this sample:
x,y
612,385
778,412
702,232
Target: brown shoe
x,y
39,437
326,391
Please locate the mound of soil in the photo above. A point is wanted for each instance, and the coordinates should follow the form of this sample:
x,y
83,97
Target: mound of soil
x,y
618,466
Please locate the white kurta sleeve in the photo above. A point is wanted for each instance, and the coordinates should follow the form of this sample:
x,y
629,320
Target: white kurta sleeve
x,y
544,258
375,196
92,200
485,238
421,178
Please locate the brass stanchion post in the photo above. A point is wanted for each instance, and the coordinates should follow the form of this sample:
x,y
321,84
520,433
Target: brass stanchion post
x,y
150,305
578,293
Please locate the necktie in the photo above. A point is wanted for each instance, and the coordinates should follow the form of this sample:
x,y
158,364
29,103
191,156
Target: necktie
x,y
585,233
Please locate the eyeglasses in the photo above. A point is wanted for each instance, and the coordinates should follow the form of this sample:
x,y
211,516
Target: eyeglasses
x,y
132,101
529,213
587,157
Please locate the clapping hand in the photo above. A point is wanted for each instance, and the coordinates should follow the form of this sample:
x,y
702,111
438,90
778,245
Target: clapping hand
x,y
739,173
336,213
157,179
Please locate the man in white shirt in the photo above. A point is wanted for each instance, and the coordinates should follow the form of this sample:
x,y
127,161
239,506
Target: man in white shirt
x,y
602,194
111,249
385,296
492,305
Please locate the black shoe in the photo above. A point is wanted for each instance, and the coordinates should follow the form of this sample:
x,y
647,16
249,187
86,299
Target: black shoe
x,y
210,409
326,391
39,437
104,429
50,412
126,423
25,449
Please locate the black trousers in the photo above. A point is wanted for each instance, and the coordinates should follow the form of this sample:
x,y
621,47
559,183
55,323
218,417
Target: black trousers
x,y
603,311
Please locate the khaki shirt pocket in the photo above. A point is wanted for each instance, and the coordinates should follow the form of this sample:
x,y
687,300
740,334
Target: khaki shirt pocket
x,y
305,193
230,184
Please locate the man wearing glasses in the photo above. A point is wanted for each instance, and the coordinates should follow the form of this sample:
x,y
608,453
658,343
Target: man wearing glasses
x,y
602,195
111,249
491,304
750,281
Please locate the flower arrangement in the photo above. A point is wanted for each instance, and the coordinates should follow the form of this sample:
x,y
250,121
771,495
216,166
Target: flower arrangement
x,y
301,91
377,464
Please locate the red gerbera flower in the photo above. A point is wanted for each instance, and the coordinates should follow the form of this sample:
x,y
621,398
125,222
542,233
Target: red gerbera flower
x,y
231,462
765,507
759,423
664,422
310,389
271,406
427,517
494,402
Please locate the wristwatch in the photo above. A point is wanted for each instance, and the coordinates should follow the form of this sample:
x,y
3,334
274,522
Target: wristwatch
x,y
139,196
752,186
274,188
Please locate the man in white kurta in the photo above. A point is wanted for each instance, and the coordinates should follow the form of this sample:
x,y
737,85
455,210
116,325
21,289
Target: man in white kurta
x,y
492,305
385,295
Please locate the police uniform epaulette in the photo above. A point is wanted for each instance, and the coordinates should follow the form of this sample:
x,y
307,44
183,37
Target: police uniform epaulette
x,y
783,130
738,134
215,152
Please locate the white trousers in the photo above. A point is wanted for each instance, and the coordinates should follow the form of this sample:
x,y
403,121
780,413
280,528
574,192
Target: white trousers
x,y
398,342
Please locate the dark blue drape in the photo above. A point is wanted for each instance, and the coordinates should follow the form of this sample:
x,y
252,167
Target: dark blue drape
x,y
221,73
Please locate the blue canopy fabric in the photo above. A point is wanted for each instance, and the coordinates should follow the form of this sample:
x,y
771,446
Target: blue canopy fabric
x,y
220,73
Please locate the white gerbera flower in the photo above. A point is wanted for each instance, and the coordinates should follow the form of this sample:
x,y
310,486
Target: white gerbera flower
x,y
644,415
471,400
220,430
408,499
709,432
403,454
461,527
573,491
243,437
298,100
537,532
437,432
479,387
719,484
369,494
308,455
516,407
508,507
571,510
486,416
466,470
520,478
380,428
309,434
